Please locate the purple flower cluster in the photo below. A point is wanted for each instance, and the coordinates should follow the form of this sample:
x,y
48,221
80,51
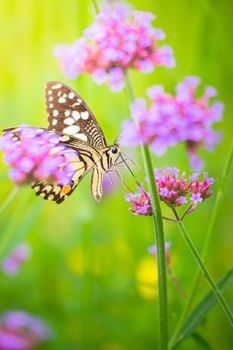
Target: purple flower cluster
x,y
173,119
11,265
21,331
119,39
140,201
36,153
173,190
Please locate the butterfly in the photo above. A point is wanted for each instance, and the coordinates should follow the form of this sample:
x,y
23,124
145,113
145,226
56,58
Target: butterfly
x,y
76,129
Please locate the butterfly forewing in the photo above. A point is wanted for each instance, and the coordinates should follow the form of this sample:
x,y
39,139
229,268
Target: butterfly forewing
x,y
68,114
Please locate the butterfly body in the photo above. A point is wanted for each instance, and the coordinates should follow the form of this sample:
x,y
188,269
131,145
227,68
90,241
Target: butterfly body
x,y
77,137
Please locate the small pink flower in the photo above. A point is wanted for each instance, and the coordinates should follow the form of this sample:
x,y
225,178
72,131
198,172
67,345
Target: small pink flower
x,y
196,198
140,201
170,120
118,40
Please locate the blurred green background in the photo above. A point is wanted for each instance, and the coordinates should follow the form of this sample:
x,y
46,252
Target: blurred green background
x,y
90,276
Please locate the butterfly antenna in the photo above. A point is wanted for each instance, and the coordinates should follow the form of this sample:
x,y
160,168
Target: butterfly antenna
x,y
118,137
129,169
129,158
123,182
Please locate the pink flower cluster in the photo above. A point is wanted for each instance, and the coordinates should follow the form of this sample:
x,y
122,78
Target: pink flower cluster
x,y
173,190
21,331
11,265
140,201
119,39
36,154
173,119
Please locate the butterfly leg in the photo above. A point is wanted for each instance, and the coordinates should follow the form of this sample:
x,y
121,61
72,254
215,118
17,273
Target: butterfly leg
x,y
96,183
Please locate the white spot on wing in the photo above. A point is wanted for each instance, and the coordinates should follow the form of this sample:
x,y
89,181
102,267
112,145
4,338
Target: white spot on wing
x,y
50,97
64,138
71,130
56,189
62,100
57,86
67,113
54,122
84,115
81,137
47,188
51,105
76,115
55,112
69,121
71,95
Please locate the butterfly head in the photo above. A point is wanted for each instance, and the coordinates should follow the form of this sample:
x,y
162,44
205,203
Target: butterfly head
x,y
112,154
115,149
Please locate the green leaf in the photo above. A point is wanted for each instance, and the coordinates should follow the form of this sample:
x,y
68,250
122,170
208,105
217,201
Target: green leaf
x,y
202,342
202,309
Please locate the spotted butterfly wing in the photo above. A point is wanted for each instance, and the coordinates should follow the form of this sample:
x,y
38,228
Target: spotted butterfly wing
x,y
81,165
68,114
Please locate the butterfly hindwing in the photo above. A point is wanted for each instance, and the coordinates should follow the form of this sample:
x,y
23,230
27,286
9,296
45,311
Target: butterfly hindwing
x,y
53,192
68,114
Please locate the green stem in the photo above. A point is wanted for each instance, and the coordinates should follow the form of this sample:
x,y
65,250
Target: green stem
x,y
161,255
169,219
159,237
95,6
196,281
204,270
158,227
8,200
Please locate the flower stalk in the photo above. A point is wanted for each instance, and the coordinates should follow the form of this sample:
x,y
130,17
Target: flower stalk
x,y
95,6
207,241
161,255
159,237
203,268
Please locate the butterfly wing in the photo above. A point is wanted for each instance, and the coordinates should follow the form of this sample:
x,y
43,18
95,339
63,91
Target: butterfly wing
x,y
75,153
59,192
68,114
